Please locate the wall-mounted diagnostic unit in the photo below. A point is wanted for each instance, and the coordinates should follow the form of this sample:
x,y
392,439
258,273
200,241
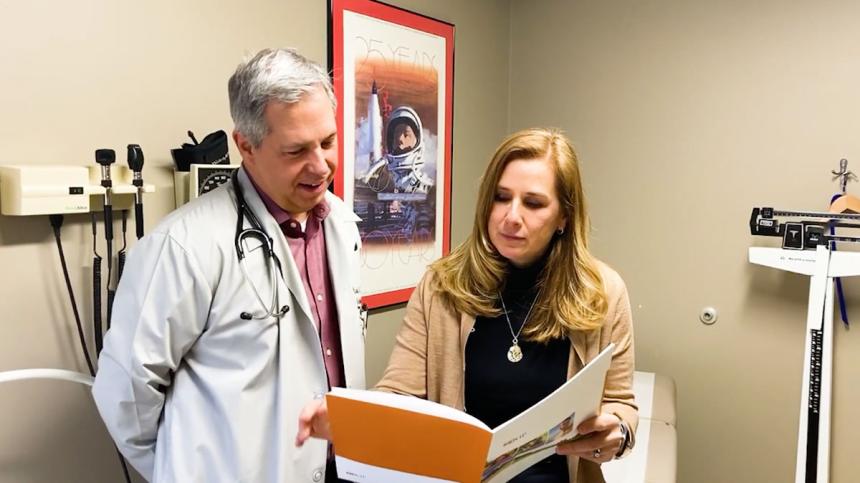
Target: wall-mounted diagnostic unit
x,y
45,190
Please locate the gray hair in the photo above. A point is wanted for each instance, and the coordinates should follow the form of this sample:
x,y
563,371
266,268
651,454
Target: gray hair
x,y
282,75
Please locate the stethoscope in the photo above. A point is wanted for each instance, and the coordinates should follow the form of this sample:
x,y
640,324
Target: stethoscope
x,y
257,232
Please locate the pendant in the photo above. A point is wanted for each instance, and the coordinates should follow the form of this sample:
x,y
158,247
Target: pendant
x,y
515,354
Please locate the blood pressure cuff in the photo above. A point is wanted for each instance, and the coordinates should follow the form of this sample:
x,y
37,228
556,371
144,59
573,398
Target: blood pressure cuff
x,y
212,150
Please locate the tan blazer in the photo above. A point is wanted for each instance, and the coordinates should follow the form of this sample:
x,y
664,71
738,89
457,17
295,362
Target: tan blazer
x,y
429,354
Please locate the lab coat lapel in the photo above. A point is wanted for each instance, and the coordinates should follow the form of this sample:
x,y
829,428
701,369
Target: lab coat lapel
x,y
289,271
341,246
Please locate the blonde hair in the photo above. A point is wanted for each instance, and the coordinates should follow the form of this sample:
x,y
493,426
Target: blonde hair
x,y
571,291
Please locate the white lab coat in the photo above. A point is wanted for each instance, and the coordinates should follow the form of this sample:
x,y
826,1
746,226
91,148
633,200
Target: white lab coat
x,y
189,391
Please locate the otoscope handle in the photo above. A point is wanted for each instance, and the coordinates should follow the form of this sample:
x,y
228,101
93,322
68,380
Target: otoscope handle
x,y
120,264
97,303
111,294
108,224
138,219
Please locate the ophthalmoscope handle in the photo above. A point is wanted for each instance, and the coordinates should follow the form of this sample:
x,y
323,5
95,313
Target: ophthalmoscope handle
x,y
120,264
97,304
138,219
135,163
106,157
108,223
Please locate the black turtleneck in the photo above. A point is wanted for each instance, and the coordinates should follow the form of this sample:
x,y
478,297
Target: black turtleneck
x,y
497,389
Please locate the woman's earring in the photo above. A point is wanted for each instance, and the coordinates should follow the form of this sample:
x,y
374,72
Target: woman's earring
x,y
560,231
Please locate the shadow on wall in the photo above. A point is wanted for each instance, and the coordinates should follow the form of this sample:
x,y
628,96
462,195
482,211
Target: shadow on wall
x,y
771,286
26,230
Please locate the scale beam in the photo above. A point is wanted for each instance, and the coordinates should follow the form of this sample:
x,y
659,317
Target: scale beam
x,y
804,234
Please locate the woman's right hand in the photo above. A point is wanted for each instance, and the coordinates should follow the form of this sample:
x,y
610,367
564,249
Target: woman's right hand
x,y
313,422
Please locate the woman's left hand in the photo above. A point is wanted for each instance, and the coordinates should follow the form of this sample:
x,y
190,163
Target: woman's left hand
x,y
601,439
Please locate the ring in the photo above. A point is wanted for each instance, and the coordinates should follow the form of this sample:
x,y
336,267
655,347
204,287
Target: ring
x,y
596,453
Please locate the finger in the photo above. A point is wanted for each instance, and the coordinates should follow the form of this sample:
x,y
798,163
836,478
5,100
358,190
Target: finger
x,y
303,434
306,422
610,448
304,431
308,413
321,423
601,439
582,446
601,422
579,452
600,455
588,426
597,455
321,411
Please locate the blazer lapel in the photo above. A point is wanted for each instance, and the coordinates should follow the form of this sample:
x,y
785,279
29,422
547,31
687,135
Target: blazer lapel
x,y
579,354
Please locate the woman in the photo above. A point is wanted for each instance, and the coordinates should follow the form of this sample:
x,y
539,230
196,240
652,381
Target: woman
x,y
517,309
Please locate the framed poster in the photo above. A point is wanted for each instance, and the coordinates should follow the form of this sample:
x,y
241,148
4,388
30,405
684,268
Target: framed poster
x,y
393,77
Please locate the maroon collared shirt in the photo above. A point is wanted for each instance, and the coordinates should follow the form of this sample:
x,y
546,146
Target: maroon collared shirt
x,y
308,249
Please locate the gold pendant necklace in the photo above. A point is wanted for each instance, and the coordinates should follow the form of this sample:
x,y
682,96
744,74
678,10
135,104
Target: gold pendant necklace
x,y
515,354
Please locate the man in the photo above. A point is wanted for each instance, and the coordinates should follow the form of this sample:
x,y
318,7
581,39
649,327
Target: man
x,y
405,154
404,138
227,320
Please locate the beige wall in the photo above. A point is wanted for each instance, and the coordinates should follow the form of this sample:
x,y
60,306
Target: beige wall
x,y
686,114
82,75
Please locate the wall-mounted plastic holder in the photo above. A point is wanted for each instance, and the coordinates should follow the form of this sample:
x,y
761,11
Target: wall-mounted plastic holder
x,y
47,190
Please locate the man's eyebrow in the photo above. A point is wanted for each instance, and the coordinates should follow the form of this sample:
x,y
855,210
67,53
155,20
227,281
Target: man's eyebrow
x,y
296,146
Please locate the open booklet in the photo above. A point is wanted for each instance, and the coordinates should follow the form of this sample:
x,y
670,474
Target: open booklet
x,y
380,436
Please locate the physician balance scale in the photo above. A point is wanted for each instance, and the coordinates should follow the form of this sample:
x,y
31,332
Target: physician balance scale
x,y
809,248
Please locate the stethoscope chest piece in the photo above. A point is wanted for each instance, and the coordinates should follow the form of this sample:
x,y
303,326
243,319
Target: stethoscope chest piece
x,y
281,313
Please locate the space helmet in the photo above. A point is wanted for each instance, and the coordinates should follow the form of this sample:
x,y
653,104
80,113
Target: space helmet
x,y
404,115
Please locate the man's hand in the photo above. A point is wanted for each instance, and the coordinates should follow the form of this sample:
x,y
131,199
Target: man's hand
x,y
313,422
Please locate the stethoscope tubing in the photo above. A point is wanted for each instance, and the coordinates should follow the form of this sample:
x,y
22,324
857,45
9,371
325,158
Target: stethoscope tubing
x,y
256,231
